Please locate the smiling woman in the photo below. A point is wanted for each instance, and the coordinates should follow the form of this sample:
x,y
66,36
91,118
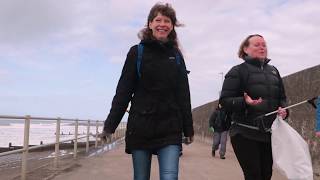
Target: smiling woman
x,y
154,79
250,90
161,24
161,27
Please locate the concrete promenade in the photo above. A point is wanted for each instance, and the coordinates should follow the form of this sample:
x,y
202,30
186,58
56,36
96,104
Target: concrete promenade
x,y
195,164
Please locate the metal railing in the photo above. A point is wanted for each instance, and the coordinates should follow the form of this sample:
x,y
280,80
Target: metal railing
x,y
120,132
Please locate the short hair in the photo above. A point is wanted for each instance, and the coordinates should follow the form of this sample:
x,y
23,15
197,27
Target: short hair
x,y
245,43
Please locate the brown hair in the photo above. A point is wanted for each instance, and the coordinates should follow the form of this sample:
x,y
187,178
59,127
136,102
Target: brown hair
x,y
166,10
245,43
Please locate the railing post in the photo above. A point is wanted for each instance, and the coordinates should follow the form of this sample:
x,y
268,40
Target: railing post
x,y
120,130
102,143
56,151
88,131
124,129
112,137
25,147
75,145
97,132
118,133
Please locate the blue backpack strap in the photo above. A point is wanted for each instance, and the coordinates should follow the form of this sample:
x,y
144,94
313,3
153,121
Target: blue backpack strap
x,y
179,61
139,59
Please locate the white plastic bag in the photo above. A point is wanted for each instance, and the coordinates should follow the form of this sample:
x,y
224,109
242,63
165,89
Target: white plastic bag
x,y
290,152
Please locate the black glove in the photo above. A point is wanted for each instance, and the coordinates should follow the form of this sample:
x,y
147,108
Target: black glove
x,y
312,102
187,140
104,136
261,124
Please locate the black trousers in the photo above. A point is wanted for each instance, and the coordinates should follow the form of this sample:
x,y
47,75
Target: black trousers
x,y
255,158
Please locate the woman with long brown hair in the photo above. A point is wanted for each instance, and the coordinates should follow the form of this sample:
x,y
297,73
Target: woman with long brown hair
x,y
155,82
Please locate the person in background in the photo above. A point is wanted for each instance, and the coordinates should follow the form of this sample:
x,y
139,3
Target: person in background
x,y
250,90
218,124
160,113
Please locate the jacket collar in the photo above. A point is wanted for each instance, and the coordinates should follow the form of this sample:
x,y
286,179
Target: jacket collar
x,y
256,61
154,42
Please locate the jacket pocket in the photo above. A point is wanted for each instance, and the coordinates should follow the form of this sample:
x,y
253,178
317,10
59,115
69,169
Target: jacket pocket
x,y
169,124
140,123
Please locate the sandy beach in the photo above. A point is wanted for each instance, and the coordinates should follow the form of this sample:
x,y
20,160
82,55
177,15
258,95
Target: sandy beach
x,y
40,163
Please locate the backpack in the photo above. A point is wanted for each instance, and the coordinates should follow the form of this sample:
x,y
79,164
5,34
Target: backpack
x,y
244,76
139,59
228,120
217,121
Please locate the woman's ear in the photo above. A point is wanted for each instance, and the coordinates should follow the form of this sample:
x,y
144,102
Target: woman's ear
x,y
149,24
245,49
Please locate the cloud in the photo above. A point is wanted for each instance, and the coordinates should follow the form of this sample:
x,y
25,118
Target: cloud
x,y
33,27
214,32
4,76
68,45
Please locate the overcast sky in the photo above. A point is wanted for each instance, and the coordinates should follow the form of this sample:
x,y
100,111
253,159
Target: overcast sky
x,y
64,57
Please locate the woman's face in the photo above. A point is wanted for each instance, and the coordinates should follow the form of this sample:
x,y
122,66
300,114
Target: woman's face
x,y
161,27
257,48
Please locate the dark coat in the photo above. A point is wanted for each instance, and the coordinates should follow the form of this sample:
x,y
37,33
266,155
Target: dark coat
x,y
219,120
160,99
257,79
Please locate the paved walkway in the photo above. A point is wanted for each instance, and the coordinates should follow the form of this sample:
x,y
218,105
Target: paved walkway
x,y
195,164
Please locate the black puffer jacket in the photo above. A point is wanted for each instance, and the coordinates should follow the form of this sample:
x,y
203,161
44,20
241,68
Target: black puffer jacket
x,y
219,120
160,99
257,79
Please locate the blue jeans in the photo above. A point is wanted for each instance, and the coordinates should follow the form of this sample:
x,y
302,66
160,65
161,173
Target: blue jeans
x,y
220,138
168,159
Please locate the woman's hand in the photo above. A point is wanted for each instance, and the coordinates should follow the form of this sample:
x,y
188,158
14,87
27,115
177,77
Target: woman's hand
x,y
188,140
282,112
251,101
104,136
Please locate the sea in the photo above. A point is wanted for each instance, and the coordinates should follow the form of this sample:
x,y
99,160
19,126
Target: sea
x,y
12,131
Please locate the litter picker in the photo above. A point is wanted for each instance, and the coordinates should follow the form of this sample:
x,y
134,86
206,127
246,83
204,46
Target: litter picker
x,y
310,101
